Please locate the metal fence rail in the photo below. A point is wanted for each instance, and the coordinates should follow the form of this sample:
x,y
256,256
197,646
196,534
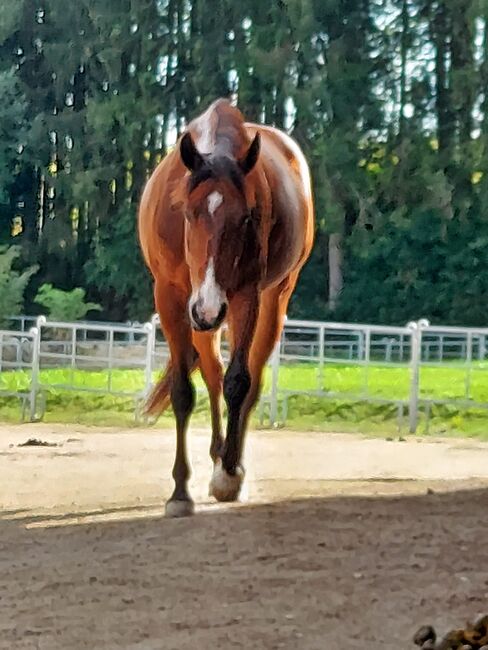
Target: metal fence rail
x,y
337,361
82,346
469,359
326,347
408,351
19,354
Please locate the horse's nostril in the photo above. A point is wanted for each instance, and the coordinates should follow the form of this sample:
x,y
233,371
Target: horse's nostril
x,y
222,313
201,323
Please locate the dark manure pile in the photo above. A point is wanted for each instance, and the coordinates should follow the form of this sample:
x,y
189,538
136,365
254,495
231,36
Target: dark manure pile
x,y
473,637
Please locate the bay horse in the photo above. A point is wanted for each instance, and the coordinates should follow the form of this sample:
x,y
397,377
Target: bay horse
x,y
225,225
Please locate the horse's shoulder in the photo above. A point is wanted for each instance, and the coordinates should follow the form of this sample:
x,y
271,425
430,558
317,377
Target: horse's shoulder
x,y
160,216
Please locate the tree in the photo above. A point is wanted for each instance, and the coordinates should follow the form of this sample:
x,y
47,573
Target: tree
x,y
12,283
65,305
14,132
386,98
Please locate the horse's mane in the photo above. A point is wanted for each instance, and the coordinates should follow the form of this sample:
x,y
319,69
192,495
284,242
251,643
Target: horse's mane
x,y
231,142
230,133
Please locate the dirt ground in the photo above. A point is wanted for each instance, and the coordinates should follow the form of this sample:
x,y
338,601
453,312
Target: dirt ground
x,y
343,542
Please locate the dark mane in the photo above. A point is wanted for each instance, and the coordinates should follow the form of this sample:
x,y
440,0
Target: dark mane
x,y
217,167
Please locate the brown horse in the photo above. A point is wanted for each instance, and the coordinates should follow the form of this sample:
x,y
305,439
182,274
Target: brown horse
x,y
225,225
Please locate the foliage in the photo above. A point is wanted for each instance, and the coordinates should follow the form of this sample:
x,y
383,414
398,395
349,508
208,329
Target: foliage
x,y
12,283
387,99
13,130
65,306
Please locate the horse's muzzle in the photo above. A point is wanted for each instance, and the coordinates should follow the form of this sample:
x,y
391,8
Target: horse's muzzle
x,y
201,323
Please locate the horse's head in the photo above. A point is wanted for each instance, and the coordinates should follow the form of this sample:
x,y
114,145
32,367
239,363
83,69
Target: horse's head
x,y
221,229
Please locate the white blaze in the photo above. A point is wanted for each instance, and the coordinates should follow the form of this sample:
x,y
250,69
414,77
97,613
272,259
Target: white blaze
x,y
214,200
210,296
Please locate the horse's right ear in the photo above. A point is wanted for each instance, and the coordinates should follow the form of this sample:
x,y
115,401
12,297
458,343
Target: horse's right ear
x,y
190,155
251,157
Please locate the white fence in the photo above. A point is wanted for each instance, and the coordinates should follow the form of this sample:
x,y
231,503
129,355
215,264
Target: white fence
x,y
335,361
19,353
413,357
74,352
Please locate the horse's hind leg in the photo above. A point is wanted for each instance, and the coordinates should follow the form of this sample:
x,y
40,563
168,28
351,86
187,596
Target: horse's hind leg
x,y
272,313
171,306
207,345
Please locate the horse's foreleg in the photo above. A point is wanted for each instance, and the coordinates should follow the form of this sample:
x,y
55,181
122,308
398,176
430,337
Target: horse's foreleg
x,y
208,347
174,321
243,382
182,400
228,474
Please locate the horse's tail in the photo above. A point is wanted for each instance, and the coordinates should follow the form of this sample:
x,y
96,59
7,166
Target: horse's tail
x,y
160,396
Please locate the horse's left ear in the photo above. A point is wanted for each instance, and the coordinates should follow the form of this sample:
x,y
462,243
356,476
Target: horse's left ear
x,y
251,157
191,157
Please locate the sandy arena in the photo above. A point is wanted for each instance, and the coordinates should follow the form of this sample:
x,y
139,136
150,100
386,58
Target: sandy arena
x,y
343,542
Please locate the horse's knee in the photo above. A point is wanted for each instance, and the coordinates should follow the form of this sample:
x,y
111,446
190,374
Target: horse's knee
x,y
182,395
237,382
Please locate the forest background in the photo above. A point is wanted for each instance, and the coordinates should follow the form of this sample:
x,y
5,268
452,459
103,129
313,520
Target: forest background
x,y
387,98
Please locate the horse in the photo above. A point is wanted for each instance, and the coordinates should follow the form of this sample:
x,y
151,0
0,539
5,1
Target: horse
x,y
225,225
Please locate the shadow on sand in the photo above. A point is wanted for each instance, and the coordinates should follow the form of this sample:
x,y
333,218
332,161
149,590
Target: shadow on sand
x,y
314,574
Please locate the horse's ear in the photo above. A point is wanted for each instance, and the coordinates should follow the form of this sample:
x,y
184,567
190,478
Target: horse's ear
x,y
251,157
190,155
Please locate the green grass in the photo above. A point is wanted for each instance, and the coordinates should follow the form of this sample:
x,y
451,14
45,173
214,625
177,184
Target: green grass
x,y
305,411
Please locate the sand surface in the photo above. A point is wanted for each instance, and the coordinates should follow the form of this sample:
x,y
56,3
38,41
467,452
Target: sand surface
x,y
343,542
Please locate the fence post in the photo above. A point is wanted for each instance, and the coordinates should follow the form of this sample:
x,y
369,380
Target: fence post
x,y
321,356
469,362
34,387
413,405
482,348
275,371
150,347
367,359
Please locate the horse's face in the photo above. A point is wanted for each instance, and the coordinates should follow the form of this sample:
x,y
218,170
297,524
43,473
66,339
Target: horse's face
x,y
218,230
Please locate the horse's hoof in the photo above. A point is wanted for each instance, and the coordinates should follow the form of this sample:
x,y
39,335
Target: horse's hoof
x,y
176,509
224,486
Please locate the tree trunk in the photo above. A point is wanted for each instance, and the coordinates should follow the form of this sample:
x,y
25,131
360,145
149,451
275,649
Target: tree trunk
x,y
463,75
403,68
443,100
336,258
484,76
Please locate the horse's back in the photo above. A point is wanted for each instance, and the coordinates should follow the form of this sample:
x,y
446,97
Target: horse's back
x,y
288,175
278,141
